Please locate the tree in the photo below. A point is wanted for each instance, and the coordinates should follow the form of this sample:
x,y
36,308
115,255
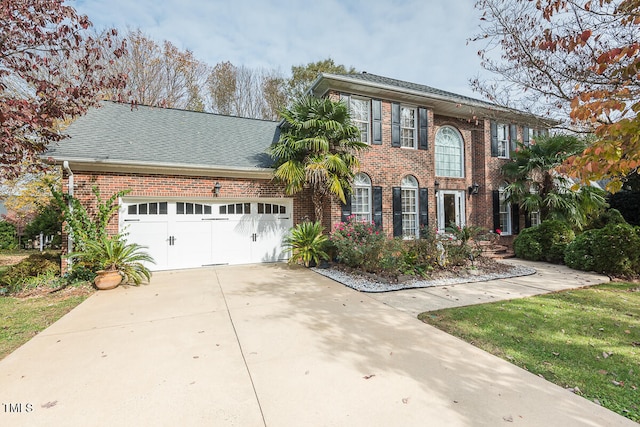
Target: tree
x,y
317,148
246,92
50,70
537,186
159,74
303,75
577,60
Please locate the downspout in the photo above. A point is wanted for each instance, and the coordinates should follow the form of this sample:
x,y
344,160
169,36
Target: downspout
x,y
65,165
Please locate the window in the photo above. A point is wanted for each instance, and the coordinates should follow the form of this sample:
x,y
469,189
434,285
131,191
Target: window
x,y
409,189
183,208
449,152
235,209
503,140
505,212
359,109
155,208
408,127
535,218
268,208
361,197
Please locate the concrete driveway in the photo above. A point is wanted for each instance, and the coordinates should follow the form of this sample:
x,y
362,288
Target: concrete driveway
x,y
266,345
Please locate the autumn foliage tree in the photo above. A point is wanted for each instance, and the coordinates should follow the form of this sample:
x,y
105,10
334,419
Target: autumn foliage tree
x,y
50,70
570,59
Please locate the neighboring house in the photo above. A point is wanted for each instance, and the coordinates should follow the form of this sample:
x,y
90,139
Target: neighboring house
x,y
202,189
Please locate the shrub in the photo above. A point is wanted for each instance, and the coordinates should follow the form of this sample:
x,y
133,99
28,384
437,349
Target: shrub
x,y
545,242
527,245
554,237
307,243
7,235
34,265
578,254
610,216
616,250
358,243
627,203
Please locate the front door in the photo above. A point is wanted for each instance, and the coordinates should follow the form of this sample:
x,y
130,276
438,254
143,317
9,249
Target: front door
x,y
450,209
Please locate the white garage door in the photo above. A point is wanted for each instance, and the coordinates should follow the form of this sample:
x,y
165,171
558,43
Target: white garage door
x,y
186,234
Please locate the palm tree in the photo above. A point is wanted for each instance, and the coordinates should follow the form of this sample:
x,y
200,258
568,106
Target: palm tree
x,y
317,148
537,186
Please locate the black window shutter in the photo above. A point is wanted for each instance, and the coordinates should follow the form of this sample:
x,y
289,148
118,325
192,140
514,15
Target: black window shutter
x,y
397,211
527,220
423,135
346,208
377,206
513,137
515,218
494,139
525,135
496,210
376,115
424,207
395,125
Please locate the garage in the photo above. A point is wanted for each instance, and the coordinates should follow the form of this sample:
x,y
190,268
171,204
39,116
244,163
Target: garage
x,y
191,233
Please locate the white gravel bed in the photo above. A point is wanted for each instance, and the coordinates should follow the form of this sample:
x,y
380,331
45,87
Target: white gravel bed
x,y
363,284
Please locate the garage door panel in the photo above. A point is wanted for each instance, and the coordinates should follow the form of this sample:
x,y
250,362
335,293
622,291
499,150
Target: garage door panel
x,y
191,245
154,236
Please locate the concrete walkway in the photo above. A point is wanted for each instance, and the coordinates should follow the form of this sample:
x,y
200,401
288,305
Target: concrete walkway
x,y
549,278
266,345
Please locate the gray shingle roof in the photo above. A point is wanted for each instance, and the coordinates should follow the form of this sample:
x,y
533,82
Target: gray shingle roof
x,y
117,132
427,90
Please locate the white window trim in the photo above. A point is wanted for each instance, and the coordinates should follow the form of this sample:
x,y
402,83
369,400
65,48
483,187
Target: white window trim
x,y
506,229
414,128
503,143
364,184
367,122
462,161
414,188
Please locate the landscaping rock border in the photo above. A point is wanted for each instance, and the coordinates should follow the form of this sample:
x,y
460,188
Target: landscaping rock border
x,y
365,284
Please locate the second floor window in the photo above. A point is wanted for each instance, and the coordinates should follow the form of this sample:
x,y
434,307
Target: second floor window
x,y
408,127
503,140
449,153
360,115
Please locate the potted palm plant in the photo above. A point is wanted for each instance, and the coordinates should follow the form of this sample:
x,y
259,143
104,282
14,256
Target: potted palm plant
x,y
116,260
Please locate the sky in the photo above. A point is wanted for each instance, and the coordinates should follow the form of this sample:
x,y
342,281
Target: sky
x,y
420,41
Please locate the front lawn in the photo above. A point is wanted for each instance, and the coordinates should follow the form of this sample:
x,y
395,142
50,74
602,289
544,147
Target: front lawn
x,y
587,340
23,318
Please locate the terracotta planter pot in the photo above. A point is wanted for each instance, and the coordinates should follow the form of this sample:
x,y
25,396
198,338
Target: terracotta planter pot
x,y
107,279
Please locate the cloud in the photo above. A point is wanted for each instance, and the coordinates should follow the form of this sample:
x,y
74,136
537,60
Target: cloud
x,y
413,40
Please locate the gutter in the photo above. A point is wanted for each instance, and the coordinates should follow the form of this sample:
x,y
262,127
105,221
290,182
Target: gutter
x,y
65,165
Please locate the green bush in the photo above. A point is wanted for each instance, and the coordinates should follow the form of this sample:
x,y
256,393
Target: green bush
x,y
307,243
554,238
358,243
527,245
610,216
7,236
578,254
16,276
545,242
616,250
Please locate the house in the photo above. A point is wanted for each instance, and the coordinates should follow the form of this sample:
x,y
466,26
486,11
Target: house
x,y
201,184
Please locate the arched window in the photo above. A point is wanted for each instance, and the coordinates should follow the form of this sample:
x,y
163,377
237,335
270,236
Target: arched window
x,y
449,152
361,197
409,188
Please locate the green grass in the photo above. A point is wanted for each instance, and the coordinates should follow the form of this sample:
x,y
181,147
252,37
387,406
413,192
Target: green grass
x,y
23,318
587,339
